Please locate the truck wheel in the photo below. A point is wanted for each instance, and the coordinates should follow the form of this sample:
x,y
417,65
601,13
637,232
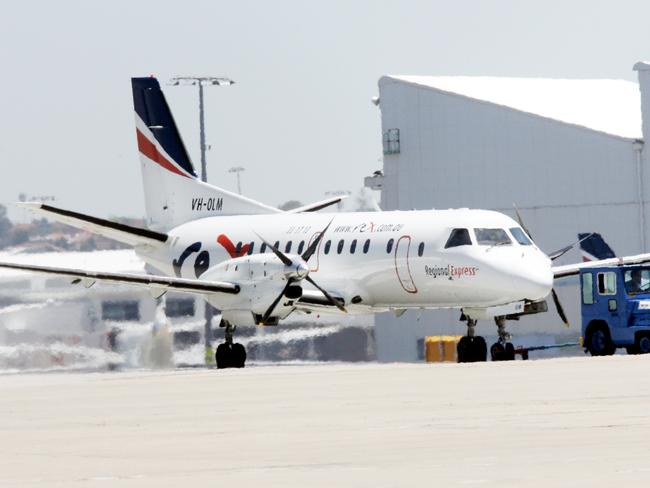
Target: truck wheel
x,y
642,344
600,344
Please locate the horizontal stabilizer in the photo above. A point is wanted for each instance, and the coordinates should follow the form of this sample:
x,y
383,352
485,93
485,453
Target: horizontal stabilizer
x,y
314,207
133,236
150,281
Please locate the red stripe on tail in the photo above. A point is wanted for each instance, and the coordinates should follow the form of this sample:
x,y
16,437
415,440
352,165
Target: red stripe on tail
x,y
148,148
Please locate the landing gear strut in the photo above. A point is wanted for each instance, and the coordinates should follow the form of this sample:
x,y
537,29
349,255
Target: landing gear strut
x,y
502,350
229,354
471,348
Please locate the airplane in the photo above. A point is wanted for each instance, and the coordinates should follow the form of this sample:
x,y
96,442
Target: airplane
x,y
258,264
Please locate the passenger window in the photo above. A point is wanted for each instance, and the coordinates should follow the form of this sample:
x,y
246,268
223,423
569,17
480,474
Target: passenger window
x,y
263,248
366,246
238,248
520,236
251,248
587,289
458,237
389,246
328,244
353,246
607,283
277,245
339,248
301,246
421,249
287,248
491,237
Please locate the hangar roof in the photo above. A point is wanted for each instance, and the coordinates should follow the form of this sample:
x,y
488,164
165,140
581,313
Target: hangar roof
x,y
610,106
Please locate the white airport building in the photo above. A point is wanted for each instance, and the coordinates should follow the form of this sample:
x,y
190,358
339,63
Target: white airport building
x,y
569,153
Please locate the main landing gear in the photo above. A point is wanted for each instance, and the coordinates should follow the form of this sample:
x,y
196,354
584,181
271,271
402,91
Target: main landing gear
x,y
472,348
229,354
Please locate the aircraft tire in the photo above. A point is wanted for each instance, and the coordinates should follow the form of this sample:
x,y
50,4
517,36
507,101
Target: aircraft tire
x,y
471,349
497,352
463,349
238,356
223,356
509,354
479,349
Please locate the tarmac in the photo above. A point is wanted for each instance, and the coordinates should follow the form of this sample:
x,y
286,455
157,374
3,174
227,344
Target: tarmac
x,y
560,422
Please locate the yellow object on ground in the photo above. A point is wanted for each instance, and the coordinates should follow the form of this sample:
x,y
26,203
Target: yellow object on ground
x,y
439,349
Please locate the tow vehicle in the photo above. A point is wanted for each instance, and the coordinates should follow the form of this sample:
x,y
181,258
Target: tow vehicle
x,y
616,309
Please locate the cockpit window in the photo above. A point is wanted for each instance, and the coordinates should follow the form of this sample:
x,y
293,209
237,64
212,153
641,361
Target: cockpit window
x,y
491,237
458,237
520,236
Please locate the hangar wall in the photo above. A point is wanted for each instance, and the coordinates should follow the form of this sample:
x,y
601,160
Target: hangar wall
x,y
456,151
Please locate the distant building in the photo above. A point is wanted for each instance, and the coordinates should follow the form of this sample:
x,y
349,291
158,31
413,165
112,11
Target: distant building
x,y
569,153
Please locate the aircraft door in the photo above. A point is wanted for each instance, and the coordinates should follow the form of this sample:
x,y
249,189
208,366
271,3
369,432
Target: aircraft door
x,y
402,251
314,262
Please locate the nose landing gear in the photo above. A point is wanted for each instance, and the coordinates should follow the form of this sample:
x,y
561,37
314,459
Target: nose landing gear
x,y
229,354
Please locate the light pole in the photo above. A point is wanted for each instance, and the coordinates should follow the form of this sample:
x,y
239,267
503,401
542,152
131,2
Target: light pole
x,y
202,81
237,170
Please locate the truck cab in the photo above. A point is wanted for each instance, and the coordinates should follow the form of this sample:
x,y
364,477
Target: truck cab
x,y
616,309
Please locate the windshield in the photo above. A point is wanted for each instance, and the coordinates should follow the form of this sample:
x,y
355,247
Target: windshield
x,y
458,237
491,237
637,280
520,236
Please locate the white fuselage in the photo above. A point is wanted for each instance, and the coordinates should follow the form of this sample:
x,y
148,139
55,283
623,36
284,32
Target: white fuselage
x,y
405,264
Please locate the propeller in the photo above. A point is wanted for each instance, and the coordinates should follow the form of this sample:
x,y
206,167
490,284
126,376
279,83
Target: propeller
x,y
302,272
552,256
564,250
559,308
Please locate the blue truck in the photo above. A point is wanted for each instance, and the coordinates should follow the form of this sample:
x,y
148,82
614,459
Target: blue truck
x,y
616,309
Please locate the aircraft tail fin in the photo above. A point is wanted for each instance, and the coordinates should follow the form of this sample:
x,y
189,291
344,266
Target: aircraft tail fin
x,y
173,193
595,248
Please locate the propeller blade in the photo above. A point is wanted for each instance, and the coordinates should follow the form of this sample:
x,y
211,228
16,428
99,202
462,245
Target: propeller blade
x,y
564,250
521,221
270,310
559,308
281,256
314,245
327,295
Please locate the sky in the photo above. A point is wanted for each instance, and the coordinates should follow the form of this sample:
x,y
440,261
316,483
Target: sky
x,y
299,118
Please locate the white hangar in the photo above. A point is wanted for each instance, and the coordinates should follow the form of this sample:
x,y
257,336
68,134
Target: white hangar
x,y
569,153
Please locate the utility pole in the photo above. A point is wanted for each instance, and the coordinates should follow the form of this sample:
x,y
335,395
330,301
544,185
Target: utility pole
x,y
202,81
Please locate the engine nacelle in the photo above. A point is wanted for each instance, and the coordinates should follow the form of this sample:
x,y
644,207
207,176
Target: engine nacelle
x,y
261,278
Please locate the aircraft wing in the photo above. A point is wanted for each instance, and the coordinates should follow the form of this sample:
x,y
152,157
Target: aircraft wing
x,y
574,269
127,234
162,283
